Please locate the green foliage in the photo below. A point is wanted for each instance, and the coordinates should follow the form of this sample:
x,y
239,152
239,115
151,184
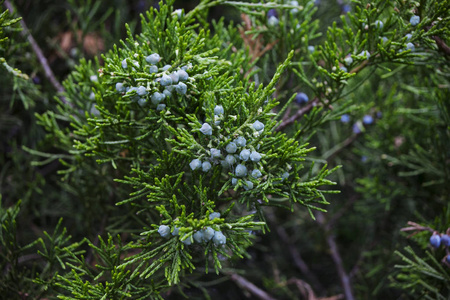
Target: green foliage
x,y
145,160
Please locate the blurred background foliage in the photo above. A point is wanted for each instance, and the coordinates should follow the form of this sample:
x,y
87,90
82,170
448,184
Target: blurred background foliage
x,y
394,171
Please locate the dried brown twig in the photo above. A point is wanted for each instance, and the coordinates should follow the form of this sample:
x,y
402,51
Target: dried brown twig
x,y
40,55
250,287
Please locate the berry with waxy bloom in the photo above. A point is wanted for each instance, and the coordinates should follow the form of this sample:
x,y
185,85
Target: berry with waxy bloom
x,y
164,231
181,88
408,36
241,170
153,58
198,236
255,156
256,173
231,147
311,48
142,102
182,75
206,166
410,46
160,107
365,53
153,69
248,185
208,234
348,60
167,93
157,97
175,231
120,87
414,20
187,241
230,160
273,21
215,153
379,24
124,64
240,141
214,215
142,91
166,67
244,155
174,77
195,164
206,129
219,238
258,126
165,80
218,110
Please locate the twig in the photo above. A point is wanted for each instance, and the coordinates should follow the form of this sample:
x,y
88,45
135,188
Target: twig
x,y
250,287
347,142
42,59
345,280
308,292
416,228
297,115
295,254
298,260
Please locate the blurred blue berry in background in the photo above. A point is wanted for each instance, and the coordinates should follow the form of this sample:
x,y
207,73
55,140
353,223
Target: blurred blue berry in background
x,y
273,21
345,118
272,13
367,119
301,98
346,8
356,128
445,240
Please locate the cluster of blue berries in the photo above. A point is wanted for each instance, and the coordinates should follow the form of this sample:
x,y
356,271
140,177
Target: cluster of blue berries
x,y
235,155
165,84
367,120
437,240
201,236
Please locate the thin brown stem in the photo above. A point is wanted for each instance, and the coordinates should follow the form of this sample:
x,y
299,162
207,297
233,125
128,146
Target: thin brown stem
x,y
250,287
40,55
334,251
